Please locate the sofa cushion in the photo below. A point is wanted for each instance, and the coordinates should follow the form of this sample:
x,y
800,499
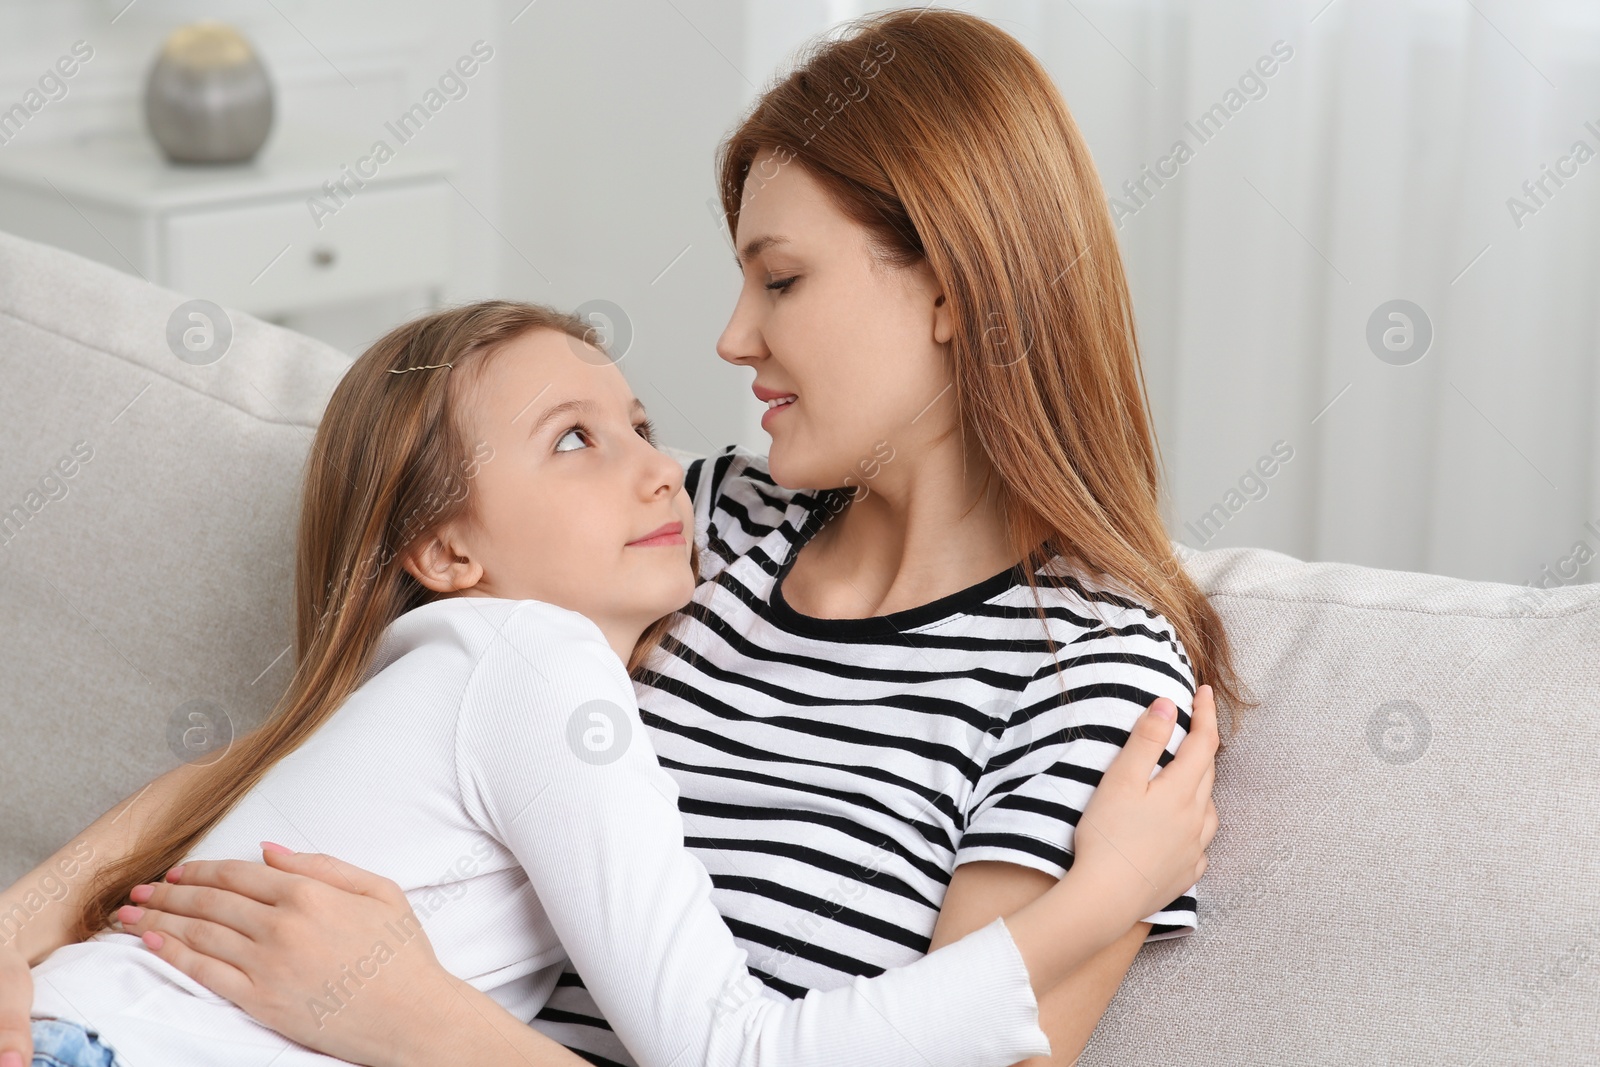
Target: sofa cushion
x,y
153,582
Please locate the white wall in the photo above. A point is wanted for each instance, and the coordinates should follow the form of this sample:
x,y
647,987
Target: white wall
x,y
345,69
1377,165
614,109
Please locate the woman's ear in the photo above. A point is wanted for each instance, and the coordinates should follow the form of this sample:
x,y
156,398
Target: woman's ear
x,y
943,325
441,562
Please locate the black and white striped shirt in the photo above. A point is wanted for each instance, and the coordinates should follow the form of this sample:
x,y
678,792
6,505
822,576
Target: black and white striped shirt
x,y
834,772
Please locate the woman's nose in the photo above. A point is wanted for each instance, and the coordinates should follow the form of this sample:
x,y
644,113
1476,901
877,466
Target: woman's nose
x,y
741,340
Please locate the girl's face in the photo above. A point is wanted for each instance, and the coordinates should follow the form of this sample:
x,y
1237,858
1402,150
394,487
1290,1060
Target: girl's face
x,y
571,503
862,348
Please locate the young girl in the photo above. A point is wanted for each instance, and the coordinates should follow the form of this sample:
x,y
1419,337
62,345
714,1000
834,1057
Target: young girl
x,y
487,535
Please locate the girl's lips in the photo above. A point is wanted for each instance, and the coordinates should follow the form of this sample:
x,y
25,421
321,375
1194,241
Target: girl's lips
x,y
670,534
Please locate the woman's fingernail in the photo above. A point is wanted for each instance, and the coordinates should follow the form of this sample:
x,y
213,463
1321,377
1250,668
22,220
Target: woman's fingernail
x,y
10,1058
1164,709
127,915
176,873
141,893
153,939
273,846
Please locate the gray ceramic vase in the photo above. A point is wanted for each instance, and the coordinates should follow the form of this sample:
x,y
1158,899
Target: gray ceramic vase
x,y
208,98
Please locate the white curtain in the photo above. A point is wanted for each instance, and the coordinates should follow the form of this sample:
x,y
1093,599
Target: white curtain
x,y
1382,159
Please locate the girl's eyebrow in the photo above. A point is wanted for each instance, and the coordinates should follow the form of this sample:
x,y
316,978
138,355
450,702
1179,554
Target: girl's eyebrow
x,y
574,407
555,411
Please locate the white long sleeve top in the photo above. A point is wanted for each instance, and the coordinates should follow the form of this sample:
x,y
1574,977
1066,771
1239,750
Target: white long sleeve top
x,y
494,765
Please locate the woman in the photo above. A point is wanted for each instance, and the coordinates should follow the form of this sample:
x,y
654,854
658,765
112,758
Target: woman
x,y
896,687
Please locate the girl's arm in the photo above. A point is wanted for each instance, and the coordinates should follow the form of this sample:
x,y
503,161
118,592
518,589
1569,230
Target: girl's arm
x,y
37,913
263,936
555,763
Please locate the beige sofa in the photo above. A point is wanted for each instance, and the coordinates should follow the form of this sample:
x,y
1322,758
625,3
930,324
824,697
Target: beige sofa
x,y
1409,866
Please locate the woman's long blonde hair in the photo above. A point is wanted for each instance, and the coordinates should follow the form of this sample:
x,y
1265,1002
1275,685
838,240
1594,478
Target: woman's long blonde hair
x,y
390,462
945,138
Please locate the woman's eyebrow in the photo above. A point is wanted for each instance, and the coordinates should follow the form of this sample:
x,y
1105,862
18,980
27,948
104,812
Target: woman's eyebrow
x,y
758,245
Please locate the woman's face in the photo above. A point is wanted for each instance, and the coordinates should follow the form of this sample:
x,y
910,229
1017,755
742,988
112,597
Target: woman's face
x,y
862,348
571,491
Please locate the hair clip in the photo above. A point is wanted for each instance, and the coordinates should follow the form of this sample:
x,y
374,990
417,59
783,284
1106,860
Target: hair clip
x,y
427,366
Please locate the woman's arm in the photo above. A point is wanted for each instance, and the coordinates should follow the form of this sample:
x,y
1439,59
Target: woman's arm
x,y
1068,1014
1030,814
38,912
267,938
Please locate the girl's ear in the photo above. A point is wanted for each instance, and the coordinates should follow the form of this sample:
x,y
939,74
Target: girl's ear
x,y
441,563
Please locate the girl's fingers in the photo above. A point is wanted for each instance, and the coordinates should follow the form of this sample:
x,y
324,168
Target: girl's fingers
x,y
1198,750
1146,742
223,907
205,938
1207,781
221,978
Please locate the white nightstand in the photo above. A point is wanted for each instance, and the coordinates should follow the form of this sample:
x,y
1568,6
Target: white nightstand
x,y
243,236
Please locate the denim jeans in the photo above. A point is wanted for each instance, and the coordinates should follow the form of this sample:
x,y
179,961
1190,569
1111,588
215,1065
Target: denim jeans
x,y
58,1043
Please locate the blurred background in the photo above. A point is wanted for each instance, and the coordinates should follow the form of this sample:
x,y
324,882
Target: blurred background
x,y
1370,267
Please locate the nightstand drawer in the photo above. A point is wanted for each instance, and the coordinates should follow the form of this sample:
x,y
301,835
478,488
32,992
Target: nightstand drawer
x,y
272,256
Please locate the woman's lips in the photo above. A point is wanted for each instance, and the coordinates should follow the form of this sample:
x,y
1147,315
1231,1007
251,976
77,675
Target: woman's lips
x,y
777,406
670,534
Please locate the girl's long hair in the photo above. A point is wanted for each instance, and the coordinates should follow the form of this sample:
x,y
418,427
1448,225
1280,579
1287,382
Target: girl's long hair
x,y
391,461
947,140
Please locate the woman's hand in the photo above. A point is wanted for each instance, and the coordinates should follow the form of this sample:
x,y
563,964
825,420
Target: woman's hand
x,y
16,1000
1146,828
321,951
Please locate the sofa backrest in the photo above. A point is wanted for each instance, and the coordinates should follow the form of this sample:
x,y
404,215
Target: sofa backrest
x,y
147,512
1408,865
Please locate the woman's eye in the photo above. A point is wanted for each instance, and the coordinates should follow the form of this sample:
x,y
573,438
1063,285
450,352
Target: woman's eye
x,y
782,284
574,434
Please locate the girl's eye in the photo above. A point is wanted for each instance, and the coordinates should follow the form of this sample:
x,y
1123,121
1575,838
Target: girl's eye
x,y
646,430
576,433
782,284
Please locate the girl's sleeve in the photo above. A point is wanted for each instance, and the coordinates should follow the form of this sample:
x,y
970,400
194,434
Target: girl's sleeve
x,y
554,762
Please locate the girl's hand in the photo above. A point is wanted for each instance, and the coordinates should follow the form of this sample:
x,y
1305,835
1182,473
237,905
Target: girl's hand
x,y
16,1000
321,951
1146,828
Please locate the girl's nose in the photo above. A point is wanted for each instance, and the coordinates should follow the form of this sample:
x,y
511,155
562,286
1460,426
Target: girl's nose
x,y
662,473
